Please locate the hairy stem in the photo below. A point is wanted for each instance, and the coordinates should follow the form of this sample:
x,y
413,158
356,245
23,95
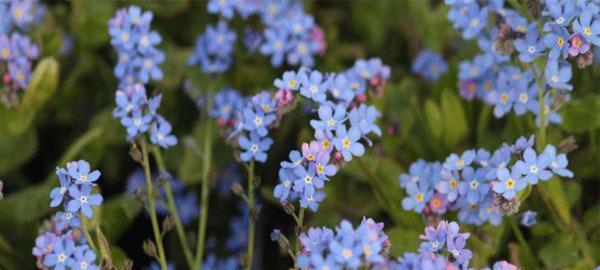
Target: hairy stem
x,y
251,221
86,232
172,206
152,206
204,198
521,239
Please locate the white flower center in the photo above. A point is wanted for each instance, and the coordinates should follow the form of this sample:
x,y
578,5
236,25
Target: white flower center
x,y
523,97
531,49
258,121
254,148
62,257
533,169
83,199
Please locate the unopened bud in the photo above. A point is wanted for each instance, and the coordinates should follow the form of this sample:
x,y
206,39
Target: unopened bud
x,y
506,207
567,145
237,189
254,212
167,225
128,264
135,153
361,98
289,208
140,194
149,248
585,59
281,240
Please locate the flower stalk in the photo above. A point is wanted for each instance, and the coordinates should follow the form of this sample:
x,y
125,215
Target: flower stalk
x,y
252,216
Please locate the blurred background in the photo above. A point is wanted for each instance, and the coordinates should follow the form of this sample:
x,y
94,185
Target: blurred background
x,y
73,121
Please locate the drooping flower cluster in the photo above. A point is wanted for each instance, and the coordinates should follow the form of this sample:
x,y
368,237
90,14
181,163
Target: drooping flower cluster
x,y
138,114
135,43
17,52
429,65
214,49
186,201
566,30
341,129
289,33
480,186
62,245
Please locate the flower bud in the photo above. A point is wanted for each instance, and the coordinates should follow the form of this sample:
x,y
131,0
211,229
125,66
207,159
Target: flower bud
x,y
567,145
149,248
237,189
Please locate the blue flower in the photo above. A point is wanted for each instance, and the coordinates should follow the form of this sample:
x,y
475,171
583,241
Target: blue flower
x,y
456,247
436,239
472,185
57,194
286,179
307,181
509,183
456,163
129,100
531,47
558,163
534,167
346,141
312,201
518,23
521,144
588,25
561,11
449,184
289,81
80,172
364,118
341,89
264,102
324,169
488,211
556,41
526,100
330,117
161,134
428,64
528,218
136,123
343,249
148,66
500,159
256,147
275,45
61,254
295,160
83,259
558,76
313,86
222,7
477,20
315,240
66,220
214,49
257,121
419,194
82,199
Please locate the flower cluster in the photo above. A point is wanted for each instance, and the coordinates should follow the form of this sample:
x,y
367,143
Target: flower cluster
x,y
566,30
214,49
429,65
346,248
341,129
186,201
479,185
138,115
17,52
135,43
443,247
62,244
289,33
247,120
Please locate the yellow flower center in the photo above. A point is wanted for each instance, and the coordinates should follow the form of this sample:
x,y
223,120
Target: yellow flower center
x,y
436,203
587,31
292,83
5,53
367,250
325,143
330,122
453,183
420,197
560,41
510,184
504,97
521,28
320,169
346,143
266,108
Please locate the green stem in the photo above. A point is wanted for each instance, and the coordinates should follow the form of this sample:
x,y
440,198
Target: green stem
x,y
85,228
551,191
379,191
152,206
300,223
522,242
172,206
251,221
204,198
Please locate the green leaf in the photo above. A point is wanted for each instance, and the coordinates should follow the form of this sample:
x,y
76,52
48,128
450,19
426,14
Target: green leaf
x,y
42,86
561,251
454,119
118,214
16,149
582,114
434,118
89,20
403,240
